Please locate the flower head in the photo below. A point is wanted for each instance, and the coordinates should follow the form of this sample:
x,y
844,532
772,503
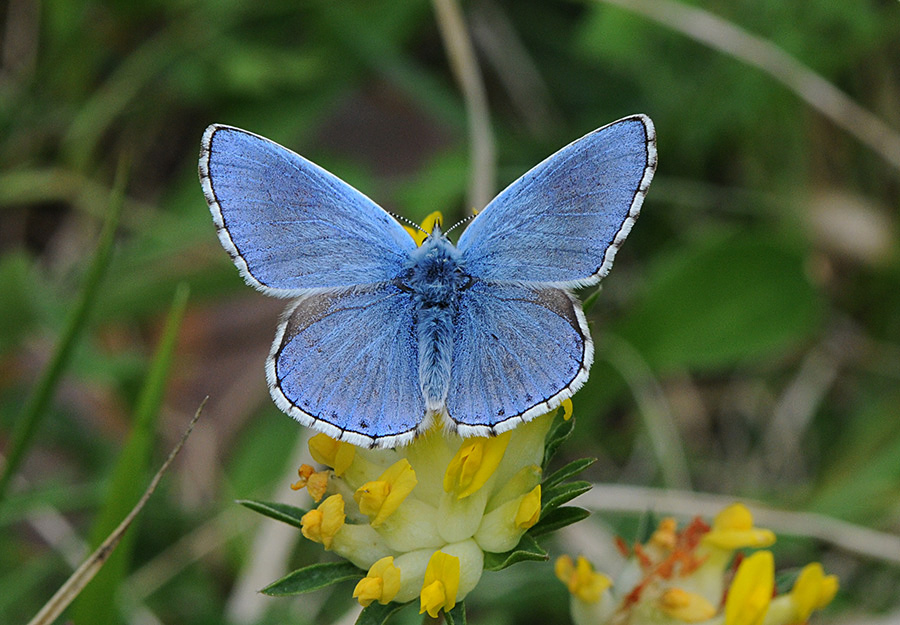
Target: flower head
x,y
682,576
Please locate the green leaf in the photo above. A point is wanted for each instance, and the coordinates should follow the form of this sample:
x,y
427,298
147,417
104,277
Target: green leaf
x,y
456,616
558,518
526,550
560,430
279,511
97,603
555,497
725,301
377,614
312,578
26,426
570,470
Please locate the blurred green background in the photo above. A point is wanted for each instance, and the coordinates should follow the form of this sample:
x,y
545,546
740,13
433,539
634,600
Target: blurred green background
x,y
748,340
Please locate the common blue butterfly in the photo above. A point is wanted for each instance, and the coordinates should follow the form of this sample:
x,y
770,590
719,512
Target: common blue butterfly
x,y
384,335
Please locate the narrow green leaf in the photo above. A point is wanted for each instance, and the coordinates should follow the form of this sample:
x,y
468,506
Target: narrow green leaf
x,y
279,511
559,432
97,602
26,425
456,616
313,577
552,498
558,518
570,470
526,550
377,614
106,550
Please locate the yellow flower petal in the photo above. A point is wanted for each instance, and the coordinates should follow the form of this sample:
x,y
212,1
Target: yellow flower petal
x,y
581,579
733,529
813,590
419,236
686,606
441,584
568,409
474,464
751,591
321,525
529,509
336,454
381,584
380,498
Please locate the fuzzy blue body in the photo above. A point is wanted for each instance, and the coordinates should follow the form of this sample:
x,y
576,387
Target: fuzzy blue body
x,y
435,277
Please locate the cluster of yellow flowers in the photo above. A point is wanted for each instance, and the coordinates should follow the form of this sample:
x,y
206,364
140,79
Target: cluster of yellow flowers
x,y
419,519
681,577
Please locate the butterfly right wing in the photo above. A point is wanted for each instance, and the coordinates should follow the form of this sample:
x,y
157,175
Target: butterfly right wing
x,y
291,226
346,363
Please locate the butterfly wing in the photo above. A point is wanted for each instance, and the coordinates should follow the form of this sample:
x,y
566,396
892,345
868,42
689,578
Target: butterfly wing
x,y
346,364
288,224
518,351
564,220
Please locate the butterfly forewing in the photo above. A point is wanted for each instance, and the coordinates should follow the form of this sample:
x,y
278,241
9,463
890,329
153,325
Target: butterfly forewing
x,y
563,221
288,224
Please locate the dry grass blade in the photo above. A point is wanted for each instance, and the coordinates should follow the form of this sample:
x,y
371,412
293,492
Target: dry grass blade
x,y
85,573
820,94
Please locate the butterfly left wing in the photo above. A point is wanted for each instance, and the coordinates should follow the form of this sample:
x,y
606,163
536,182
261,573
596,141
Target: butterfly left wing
x,y
346,363
518,352
291,226
563,221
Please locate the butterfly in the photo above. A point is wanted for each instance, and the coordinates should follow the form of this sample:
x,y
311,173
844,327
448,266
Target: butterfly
x,y
384,336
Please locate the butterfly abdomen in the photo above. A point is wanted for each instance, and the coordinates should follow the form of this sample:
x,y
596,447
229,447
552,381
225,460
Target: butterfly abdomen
x,y
435,277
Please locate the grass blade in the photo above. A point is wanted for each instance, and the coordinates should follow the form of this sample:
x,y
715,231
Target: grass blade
x,y
97,603
80,578
35,407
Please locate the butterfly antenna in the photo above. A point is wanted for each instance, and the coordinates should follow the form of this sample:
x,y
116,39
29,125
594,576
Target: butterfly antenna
x,y
408,221
461,222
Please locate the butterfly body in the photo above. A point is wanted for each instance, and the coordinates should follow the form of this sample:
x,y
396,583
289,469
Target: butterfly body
x,y
383,335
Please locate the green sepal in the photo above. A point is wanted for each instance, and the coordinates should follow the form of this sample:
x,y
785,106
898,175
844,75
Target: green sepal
x,y
560,430
312,578
570,470
377,614
553,498
526,550
279,511
456,616
558,518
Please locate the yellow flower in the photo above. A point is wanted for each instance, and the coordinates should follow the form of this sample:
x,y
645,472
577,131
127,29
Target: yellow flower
x,y
813,590
419,236
381,498
686,606
441,584
733,529
568,409
751,591
336,454
474,464
581,579
321,525
529,510
381,584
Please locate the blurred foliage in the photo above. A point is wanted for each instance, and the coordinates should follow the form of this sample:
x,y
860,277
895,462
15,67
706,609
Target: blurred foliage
x,y
759,291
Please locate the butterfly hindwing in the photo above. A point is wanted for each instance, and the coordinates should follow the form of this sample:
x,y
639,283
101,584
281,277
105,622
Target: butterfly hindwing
x,y
518,351
346,364
288,224
563,221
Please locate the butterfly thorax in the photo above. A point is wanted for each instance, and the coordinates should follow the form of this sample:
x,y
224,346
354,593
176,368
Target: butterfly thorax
x,y
435,276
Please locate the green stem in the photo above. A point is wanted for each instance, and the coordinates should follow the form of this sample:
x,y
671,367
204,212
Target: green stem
x,y
35,407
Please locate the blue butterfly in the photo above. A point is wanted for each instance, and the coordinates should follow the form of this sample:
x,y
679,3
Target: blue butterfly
x,y
384,336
